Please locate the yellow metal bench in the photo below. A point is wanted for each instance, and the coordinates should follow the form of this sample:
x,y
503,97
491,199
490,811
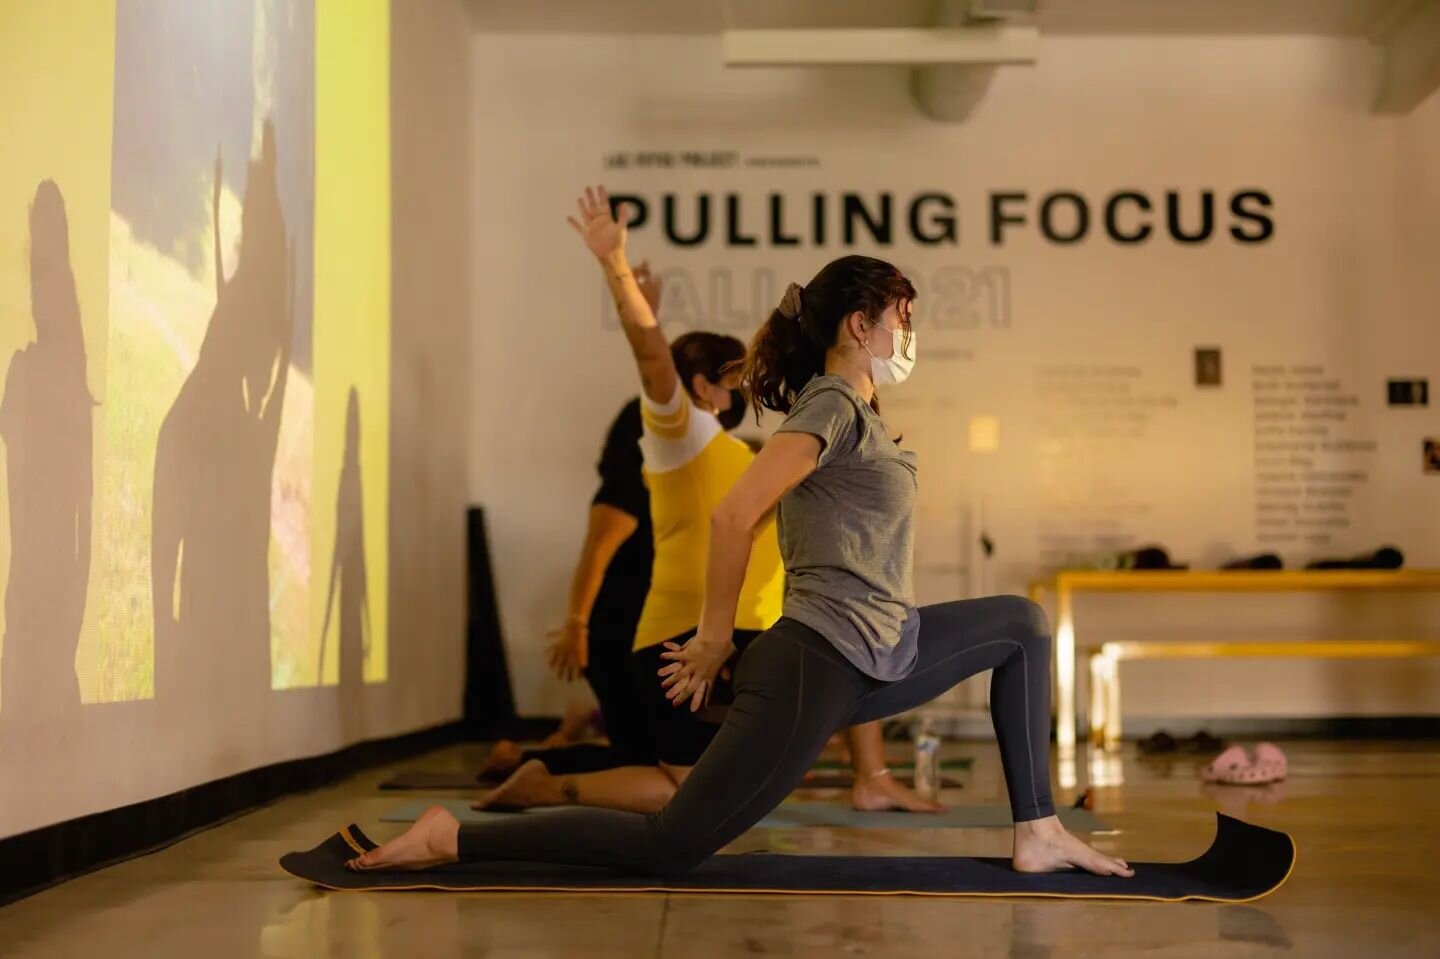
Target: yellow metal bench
x,y
1106,658
1067,584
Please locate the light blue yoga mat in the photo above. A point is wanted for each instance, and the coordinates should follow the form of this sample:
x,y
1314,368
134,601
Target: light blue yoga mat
x,y
792,815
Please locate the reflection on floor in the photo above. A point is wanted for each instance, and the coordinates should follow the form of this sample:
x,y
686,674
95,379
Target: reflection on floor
x,y
1364,816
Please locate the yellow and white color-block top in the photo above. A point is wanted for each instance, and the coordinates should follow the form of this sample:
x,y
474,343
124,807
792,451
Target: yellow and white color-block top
x,y
690,464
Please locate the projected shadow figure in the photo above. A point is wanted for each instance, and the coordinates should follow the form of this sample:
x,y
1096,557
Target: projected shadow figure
x,y
46,424
347,572
214,463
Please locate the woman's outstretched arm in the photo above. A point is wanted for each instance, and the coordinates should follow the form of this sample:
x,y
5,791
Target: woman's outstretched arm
x,y
604,235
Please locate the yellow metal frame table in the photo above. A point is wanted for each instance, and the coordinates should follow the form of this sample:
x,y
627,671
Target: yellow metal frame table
x,y
1106,658
1068,584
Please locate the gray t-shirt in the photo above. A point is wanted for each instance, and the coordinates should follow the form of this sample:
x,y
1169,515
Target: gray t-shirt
x,y
847,533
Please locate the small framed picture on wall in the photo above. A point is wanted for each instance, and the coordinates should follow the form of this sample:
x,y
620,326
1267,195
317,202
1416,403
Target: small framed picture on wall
x,y
1407,392
1207,366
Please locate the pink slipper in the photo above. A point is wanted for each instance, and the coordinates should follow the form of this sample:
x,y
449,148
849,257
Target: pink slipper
x,y
1234,768
1270,759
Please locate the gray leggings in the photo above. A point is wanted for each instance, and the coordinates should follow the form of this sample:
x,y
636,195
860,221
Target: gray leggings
x,y
792,691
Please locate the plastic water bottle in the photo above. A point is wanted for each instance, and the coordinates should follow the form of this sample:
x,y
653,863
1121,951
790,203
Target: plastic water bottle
x,y
927,763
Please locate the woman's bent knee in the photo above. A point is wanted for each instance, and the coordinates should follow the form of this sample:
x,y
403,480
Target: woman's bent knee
x,y
1034,625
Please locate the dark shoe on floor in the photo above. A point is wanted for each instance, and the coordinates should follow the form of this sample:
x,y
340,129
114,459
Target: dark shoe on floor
x,y
1260,561
1202,744
1157,743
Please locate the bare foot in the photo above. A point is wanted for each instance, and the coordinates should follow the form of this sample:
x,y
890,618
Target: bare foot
x,y
432,841
530,785
884,792
1043,845
503,758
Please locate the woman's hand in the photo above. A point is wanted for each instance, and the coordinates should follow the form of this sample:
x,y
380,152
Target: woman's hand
x,y
693,668
569,654
602,233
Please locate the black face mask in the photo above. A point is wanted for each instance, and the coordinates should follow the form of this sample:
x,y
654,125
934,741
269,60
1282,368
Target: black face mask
x,y
735,415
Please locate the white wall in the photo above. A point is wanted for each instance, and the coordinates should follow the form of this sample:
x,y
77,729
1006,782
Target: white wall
x,y
431,394
1342,285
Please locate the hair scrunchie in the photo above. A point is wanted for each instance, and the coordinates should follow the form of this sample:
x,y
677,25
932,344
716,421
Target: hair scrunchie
x,y
790,304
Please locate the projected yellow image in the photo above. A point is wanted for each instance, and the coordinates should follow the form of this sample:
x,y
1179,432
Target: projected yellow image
x,y
208,412
351,491
194,322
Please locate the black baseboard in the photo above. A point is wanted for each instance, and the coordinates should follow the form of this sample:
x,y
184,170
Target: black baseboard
x,y
33,861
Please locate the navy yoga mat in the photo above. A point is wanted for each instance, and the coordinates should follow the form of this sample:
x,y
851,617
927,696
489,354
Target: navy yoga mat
x,y
1244,862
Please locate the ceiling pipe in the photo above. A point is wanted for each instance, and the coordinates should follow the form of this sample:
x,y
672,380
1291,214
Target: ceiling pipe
x,y
950,92
951,63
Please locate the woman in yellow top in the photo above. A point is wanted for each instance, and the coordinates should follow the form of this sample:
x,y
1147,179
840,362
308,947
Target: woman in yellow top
x,y
690,463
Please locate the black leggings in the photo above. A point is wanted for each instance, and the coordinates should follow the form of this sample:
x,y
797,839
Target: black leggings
x,y
627,725
792,691
656,732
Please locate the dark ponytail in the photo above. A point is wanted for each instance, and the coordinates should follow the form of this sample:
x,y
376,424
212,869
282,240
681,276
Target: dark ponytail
x,y
782,359
789,350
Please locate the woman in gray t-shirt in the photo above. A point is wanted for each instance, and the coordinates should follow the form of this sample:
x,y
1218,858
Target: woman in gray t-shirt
x,y
851,647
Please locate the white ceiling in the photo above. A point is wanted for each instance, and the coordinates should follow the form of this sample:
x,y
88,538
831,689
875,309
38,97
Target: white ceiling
x,y
1322,17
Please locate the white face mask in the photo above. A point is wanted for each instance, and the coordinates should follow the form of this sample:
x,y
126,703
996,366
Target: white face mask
x,y
895,368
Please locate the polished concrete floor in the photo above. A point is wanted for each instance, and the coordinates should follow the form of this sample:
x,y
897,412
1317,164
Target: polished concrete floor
x,y
1365,885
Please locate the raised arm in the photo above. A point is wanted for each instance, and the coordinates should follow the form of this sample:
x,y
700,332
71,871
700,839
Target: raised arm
x,y
604,235
782,464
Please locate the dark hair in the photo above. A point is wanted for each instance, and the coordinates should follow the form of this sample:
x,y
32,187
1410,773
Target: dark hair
x,y
709,354
789,351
